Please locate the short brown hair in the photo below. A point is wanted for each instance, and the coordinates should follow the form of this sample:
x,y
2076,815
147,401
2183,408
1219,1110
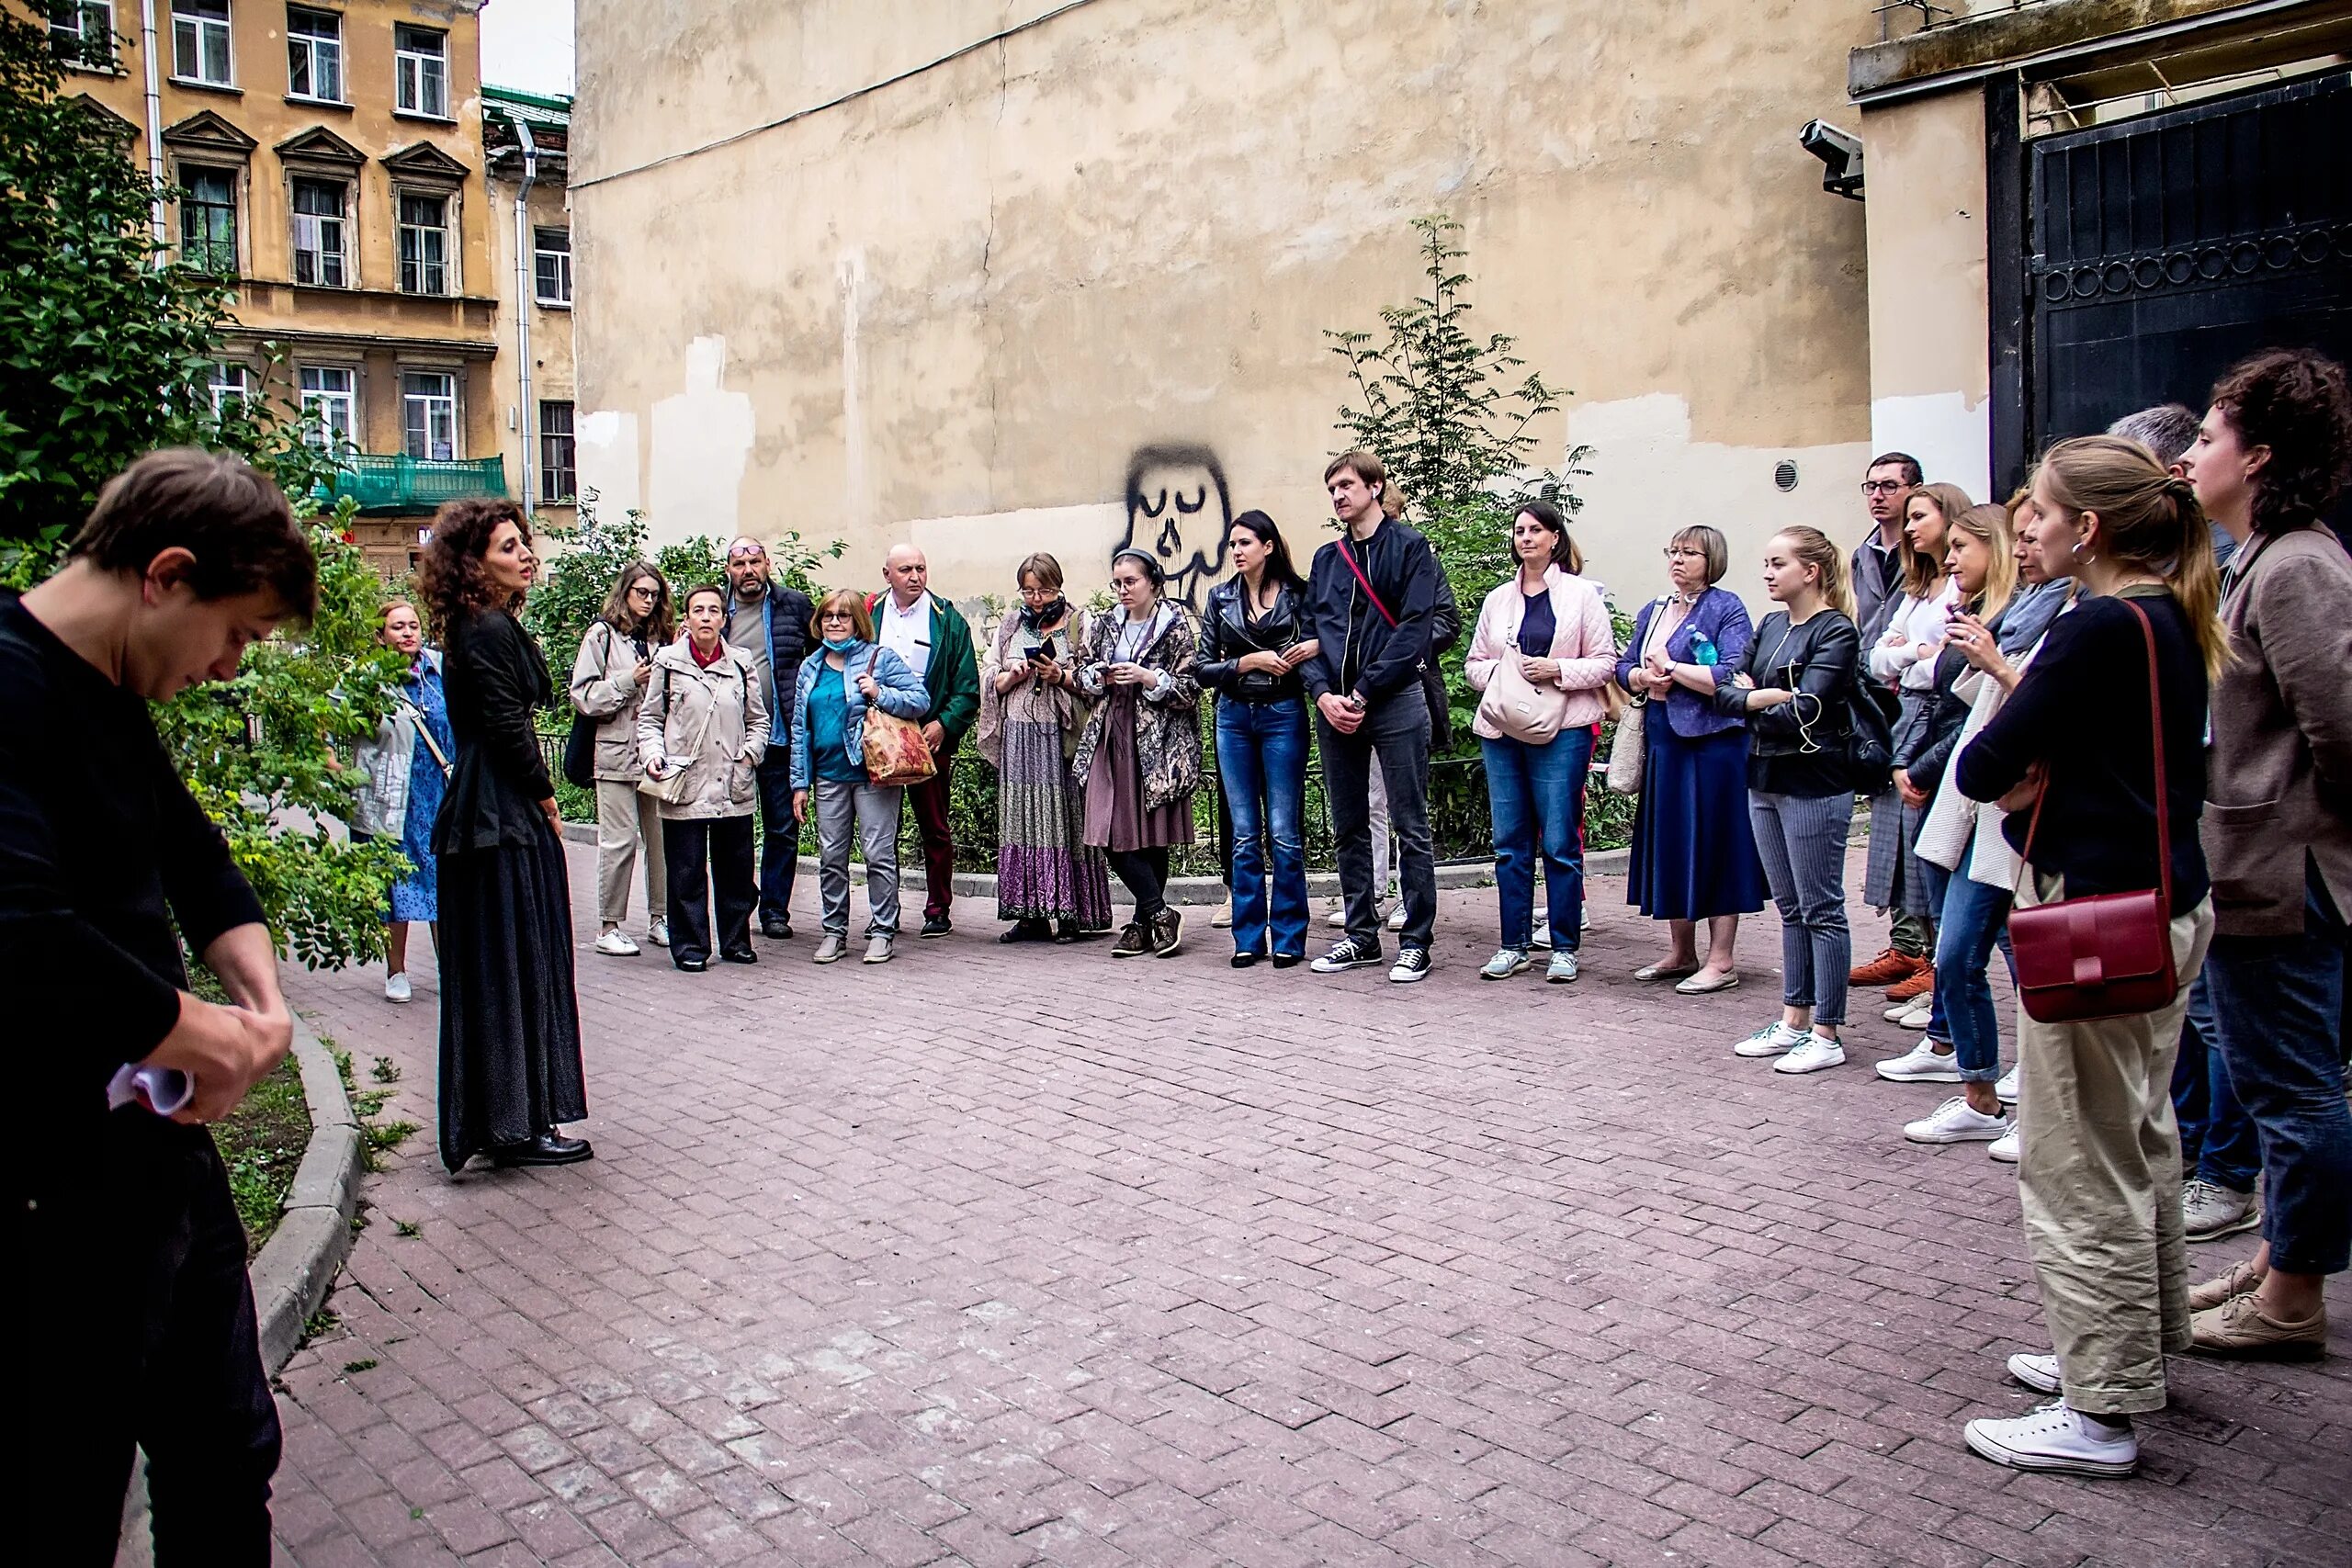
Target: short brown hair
x,y
861,620
1045,568
221,509
1713,548
1369,468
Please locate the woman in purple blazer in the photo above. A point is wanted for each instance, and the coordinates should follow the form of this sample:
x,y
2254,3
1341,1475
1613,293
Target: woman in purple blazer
x,y
1694,854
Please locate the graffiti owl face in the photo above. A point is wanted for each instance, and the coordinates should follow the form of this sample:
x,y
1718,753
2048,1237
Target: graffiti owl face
x,y
1178,509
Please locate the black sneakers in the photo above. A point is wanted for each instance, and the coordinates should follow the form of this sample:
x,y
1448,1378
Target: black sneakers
x,y
1135,940
937,925
1345,954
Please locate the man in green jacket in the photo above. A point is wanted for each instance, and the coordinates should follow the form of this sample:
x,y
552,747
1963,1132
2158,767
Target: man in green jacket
x,y
936,641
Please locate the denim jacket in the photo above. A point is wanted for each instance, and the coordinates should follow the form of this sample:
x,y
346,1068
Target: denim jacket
x,y
1723,618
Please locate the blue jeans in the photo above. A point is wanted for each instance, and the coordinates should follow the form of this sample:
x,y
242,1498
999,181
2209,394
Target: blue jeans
x,y
1801,838
1262,757
2279,1003
2216,1138
1972,921
780,841
1535,796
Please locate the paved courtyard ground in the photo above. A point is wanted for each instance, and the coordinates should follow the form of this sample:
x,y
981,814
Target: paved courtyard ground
x,y
1015,1255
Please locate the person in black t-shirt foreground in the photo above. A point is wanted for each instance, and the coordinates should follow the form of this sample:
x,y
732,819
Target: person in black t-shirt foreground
x,y
129,1311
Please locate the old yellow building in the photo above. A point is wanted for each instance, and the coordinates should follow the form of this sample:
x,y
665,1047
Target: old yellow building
x,y
329,157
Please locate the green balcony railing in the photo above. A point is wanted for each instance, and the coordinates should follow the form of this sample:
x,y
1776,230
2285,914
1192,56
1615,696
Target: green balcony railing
x,y
382,483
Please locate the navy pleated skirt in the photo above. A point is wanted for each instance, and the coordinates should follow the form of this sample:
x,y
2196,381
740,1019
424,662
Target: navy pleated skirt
x,y
1693,853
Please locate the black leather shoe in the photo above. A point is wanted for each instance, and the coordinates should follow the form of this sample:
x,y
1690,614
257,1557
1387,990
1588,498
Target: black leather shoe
x,y
777,930
937,925
1244,960
694,965
741,955
1026,931
550,1148
1288,960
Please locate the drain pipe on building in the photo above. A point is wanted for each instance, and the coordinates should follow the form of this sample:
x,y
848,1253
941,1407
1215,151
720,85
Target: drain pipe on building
x,y
523,294
154,115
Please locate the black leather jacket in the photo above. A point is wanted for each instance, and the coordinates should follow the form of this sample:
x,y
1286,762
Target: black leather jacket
x,y
1228,633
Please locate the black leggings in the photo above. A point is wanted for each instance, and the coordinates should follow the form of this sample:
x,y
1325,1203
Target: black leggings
x,y
1145,873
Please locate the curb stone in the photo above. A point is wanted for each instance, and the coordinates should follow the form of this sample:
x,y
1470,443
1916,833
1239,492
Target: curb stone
x,y
298,1261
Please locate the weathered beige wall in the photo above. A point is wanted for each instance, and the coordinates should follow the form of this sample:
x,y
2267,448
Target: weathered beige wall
x,y
1929,371
953,308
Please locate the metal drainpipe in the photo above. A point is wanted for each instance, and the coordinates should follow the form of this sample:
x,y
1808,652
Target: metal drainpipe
x,y
154,113
523,292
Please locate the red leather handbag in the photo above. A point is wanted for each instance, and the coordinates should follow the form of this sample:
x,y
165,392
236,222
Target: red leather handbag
x,y
2108,955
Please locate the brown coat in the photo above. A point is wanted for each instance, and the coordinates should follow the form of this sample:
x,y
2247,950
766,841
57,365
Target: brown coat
x,y
2279,773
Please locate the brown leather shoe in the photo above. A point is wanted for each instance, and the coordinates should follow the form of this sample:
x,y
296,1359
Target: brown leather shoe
x,y
2239,1327
2243,1279
1918,986
1886,969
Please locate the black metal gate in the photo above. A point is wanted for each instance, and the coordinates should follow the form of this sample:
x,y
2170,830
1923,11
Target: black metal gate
x,y
2165,247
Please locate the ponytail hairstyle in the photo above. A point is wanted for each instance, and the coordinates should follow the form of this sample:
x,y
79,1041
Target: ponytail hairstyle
x,y
2298,404
1989,524
2148,518
1921,572
1814,548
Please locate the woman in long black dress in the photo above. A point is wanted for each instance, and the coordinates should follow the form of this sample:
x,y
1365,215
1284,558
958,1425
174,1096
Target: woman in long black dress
x,y
510,1022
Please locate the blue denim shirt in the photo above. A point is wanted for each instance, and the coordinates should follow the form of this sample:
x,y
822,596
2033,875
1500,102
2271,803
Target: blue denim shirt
x,y
1723,618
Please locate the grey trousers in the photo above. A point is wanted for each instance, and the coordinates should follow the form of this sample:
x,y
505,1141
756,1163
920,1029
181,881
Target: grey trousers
x,y
627,820
1801,841
873,811
1392,743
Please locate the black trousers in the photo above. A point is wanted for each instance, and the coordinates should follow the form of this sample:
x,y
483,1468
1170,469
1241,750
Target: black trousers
x,y
145,1333
1144,873
709,860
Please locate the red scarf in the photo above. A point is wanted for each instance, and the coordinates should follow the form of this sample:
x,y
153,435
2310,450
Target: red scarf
x,y
717,652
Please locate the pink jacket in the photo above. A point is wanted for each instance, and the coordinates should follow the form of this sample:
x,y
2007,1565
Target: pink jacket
x,y
1582,641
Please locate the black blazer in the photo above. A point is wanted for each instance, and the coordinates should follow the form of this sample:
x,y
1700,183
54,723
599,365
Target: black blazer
x,y
1228,633
496,680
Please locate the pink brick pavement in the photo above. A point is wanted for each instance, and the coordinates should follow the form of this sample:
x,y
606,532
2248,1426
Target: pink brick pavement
x,y
1015,1255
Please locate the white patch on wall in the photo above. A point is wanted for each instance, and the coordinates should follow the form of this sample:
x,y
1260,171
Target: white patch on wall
x,y
702,441
1649,477
976,554
606,442
1951,437
849,274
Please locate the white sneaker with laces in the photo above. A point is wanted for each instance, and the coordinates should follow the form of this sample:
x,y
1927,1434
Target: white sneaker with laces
x,y
1396,917
1772,1040
1541,941
658,933
397,988
1562,969
1345,955
1922,1064
2210,1211
2038,1372
2004,1148
2058,1440
2007,1088
1339,916
613,945
1956,1121
1811,1056
1507,961
1412,965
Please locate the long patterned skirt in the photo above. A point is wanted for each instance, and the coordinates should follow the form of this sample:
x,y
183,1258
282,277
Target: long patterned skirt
x,y
1043,871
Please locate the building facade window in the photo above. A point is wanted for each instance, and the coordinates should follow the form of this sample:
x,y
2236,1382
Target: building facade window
x,y
330,399
201,42
81,32
227,387
314,55
424,243
209,219
321,235
429,415
559,454
552,266
420,70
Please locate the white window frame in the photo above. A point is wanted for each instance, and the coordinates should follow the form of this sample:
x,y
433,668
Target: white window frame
x,y
229,382
193,37
321,55
76,41
317,225
427,413
569,436
330,412
420,76
402,229
541,258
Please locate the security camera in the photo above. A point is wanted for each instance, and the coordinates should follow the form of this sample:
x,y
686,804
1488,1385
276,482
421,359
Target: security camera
x,y
1842,157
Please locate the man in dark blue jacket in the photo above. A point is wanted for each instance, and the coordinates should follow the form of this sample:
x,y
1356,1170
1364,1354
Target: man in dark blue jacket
x,y
770,623
1370,598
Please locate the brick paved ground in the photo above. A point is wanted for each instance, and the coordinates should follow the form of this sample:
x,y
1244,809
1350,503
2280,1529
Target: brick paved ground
x,y
1012,1255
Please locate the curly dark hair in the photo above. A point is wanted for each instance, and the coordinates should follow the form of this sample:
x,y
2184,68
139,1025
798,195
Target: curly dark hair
x,y
453,580
2295,402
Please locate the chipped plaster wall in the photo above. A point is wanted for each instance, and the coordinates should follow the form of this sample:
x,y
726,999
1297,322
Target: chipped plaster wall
x,y
953,308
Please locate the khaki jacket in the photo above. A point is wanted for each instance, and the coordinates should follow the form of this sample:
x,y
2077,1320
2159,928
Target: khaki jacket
x,y
2279,770
605,688
723,705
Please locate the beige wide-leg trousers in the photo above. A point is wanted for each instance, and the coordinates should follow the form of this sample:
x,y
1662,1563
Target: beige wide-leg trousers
x,y
628,819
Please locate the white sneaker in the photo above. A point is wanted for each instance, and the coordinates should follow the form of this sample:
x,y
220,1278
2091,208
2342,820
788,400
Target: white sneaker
x,y
1894,1012
396,989
1772,1040
1542,940
2056,1438
2005,1147
1396,917
830,948
1584,924
2007,1088
1562,969
1921,1015
612,944
1339,916
1507,961
2209,1210
658,933
2038,1372
1922,1064
1956,1121
1811,1056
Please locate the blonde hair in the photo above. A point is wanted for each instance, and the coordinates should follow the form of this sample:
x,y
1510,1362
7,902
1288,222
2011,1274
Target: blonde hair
x,y
1814,548
1920,570
2149,518
1989,524
860,619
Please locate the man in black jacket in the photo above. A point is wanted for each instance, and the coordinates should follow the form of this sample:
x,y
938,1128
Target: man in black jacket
x,y
128,1304
770,623
1370,601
